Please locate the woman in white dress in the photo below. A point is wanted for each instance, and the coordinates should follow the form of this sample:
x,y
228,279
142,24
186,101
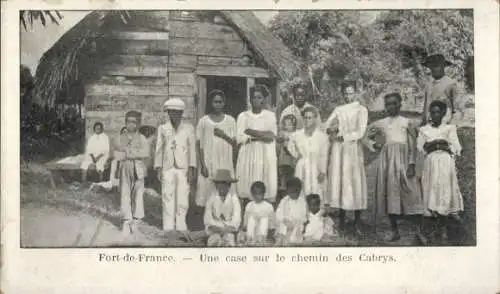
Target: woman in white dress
x,y
439,142
257,159
310,147
347,189
215,143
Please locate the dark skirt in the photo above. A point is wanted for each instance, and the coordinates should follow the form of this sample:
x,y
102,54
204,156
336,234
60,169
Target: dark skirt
x,y
395,192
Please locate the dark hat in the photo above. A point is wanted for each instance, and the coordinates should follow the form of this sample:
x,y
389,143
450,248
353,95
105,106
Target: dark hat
x,y
436,59
223,176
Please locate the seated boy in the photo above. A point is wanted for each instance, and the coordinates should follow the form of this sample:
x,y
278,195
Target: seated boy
x,y
258,216
223,212
291,214
318,227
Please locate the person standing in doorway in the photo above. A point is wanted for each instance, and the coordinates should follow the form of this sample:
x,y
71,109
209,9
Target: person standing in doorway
x,y
175,164
131,151
257,160
347,179
215,143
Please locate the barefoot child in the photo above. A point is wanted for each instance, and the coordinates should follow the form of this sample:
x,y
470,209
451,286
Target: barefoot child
x,y
258,216
132,151
397,192
223,212
318,226
291,214
439,142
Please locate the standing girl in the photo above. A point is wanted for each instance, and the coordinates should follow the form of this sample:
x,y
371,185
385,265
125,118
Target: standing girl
x,y
215,143
347,180
440,144
397,192
257,160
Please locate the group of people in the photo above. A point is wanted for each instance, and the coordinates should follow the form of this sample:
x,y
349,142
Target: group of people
x,y
257,174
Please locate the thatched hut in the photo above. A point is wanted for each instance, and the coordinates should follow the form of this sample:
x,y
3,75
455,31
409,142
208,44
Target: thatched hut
x,y
113,62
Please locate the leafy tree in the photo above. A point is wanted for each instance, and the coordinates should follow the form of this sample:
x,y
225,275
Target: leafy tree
x,y
385,54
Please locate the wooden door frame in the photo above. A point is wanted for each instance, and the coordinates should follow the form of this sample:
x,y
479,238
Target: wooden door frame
x,y
201,91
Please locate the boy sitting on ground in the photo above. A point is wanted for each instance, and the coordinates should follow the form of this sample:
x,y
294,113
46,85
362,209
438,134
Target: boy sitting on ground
x,y
223,212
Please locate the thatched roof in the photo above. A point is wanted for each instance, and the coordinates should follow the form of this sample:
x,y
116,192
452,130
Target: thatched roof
x,y
60,66
263,42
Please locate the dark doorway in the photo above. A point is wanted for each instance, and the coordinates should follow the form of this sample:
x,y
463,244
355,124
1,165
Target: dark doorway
x,y
236,93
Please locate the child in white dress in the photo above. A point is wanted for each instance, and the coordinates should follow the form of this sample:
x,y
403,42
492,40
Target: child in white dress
x,y
439,142
291,215
258,216
318,227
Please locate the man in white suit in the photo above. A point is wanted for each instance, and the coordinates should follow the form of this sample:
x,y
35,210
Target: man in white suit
x,y
175,163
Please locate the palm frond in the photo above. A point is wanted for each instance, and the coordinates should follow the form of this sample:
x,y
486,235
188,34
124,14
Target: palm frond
x,y
58,68
31,16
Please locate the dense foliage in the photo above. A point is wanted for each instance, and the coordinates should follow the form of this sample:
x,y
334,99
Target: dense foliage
x,y
384,54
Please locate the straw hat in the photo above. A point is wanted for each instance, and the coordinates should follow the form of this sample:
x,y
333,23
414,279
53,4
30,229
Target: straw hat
x,y
223,176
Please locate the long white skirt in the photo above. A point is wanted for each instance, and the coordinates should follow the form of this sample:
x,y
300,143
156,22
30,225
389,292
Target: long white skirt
x,y
440,184
307,171
346,177
257,161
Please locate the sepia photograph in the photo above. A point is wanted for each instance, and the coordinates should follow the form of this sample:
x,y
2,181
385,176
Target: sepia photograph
x,y
247,128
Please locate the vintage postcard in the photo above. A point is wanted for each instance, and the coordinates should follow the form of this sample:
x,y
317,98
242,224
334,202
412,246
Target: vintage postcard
x,y
271,147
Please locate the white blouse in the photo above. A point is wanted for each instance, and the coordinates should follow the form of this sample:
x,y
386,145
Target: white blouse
x,y
98,144
263,121
446,132
352,119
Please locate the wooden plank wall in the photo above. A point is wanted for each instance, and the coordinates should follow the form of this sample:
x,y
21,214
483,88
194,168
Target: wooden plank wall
x,y
157,56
